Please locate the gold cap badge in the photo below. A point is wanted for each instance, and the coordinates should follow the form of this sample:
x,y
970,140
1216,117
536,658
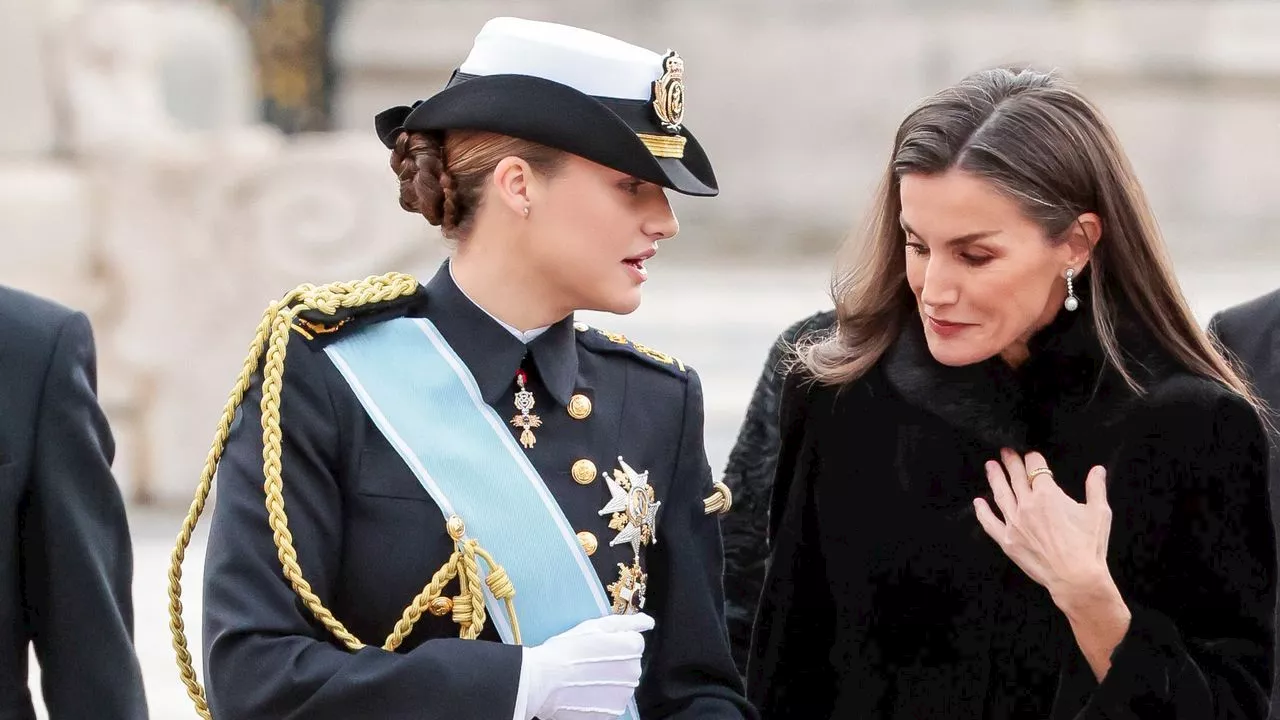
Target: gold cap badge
x,y
668,93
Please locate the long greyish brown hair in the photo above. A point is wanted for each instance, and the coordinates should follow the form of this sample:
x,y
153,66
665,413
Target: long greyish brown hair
x,y
1036,139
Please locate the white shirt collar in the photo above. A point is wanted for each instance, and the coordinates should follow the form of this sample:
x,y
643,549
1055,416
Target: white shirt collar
x,y
524,337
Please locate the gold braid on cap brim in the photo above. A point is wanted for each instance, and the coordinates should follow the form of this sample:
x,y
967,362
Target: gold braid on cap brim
x,y
273,334
664,146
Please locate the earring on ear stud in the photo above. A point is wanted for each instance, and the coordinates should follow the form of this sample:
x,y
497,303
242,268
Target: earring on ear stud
x,y
1072,303
526,211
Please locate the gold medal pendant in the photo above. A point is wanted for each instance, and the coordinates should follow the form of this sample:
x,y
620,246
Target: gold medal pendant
x,y
633,506
526,421
628,591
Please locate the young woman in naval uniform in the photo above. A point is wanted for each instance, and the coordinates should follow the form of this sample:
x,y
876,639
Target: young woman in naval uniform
x,y
536,491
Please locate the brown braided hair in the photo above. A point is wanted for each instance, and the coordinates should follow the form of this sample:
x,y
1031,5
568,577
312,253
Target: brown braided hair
x,y
443,175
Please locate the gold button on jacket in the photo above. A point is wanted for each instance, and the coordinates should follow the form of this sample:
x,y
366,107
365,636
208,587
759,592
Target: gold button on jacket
x,y
584,472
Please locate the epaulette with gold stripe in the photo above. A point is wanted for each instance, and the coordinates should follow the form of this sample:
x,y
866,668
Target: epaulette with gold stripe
x,y
310,329
612,341
320,313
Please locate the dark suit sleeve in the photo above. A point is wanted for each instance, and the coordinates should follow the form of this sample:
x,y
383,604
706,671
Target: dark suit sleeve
x,y
749,474
1256,355
790,674
79,564
689,671
266,656
1201,642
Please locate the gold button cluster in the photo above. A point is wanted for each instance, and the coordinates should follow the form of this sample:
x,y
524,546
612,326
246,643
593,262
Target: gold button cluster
x,y
584,471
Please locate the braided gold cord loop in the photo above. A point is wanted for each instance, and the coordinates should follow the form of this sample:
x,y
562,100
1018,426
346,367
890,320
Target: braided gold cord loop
x,y
177,628
272,332
422,603
467,608
273,380
473,588
272,340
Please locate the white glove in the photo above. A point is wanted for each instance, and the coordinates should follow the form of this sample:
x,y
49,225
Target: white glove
x,y
587,673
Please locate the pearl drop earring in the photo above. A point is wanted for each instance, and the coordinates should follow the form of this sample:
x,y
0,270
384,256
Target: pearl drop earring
x,y
1072,303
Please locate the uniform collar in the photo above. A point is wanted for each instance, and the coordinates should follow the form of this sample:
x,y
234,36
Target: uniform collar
x,y
525,337
491,351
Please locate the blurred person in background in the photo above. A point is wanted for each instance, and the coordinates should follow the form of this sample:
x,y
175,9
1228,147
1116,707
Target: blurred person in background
x,y
66,563
748,474
472,423
1250,333
1018,480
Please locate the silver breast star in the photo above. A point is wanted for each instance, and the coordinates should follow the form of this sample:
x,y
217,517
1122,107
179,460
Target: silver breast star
x,y
631,494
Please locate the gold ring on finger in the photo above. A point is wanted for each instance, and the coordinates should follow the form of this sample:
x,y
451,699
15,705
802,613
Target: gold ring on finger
x,y
1031,476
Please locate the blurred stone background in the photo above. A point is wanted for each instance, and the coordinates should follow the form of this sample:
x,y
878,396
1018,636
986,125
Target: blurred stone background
x,y
170,166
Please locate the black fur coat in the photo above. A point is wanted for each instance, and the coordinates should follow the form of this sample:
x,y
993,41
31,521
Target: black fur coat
x,y
885,599
749,474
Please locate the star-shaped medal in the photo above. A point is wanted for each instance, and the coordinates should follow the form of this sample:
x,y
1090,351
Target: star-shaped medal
x,y
632,498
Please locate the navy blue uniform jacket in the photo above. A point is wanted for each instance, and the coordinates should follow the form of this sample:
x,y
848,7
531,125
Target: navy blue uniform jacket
x,y
369,537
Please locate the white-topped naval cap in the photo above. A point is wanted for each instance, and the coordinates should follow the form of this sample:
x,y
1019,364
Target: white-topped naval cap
x,y
586,61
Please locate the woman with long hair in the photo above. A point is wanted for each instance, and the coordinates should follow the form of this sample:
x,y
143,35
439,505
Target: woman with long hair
x,y
1017,481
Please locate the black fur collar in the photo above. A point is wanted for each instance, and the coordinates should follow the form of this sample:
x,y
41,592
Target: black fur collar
x,y
1066,375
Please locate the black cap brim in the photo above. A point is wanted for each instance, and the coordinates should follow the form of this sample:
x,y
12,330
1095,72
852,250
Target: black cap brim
x,y
602,130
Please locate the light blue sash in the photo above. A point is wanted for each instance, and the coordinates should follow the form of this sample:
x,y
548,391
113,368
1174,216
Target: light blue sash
x,y
427,404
